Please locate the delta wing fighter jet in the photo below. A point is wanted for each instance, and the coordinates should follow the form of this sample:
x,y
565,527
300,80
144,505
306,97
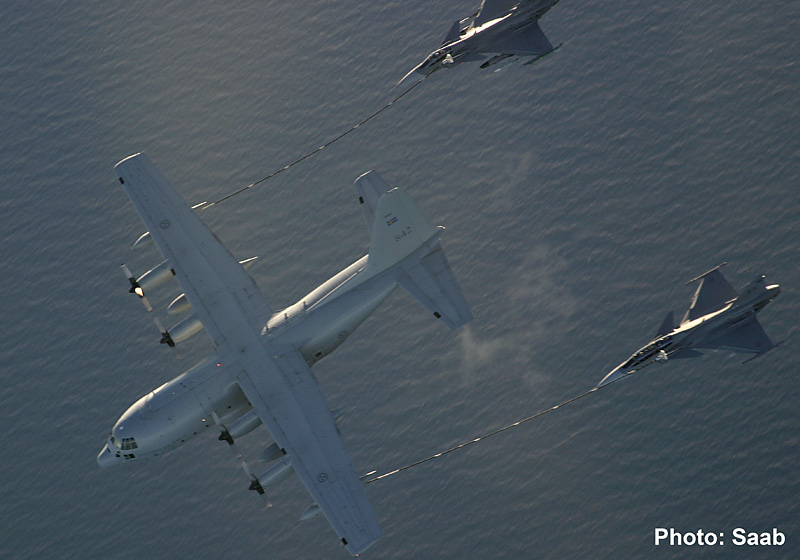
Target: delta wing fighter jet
x,y
718,318
259,370
500,32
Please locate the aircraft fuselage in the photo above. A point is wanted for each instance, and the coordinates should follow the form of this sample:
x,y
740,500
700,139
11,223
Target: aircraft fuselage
x,y
180,409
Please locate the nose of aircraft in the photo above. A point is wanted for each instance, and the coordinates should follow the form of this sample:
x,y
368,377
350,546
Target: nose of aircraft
x,y
107,458
612,376
410,73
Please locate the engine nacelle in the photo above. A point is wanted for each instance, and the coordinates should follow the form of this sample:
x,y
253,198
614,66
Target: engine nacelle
x,y
271,453
156,276
244,424
276,472
185,329
179,305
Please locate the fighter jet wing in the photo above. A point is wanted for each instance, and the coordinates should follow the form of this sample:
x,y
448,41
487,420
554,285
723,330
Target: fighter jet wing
x,y
493,9
530,41
713,293
276,381
749,337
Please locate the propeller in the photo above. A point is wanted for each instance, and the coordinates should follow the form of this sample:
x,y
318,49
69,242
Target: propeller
x,y
255,484
225,435
165,337
135,287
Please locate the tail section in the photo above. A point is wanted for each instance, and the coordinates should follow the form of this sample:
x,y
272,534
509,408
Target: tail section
x,y
405,240
370,187
667,325
399,229
453,33
433,283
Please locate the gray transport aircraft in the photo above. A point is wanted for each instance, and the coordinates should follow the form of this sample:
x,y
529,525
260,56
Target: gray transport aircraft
x,y
500,32
259,372
718,318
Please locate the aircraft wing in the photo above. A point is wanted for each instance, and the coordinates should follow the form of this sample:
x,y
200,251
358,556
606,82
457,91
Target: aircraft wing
x,y
530,41
192,250
493,9
713,293
749,337
276,381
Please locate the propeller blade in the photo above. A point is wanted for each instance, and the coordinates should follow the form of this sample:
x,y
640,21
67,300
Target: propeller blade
x,y
225,435
165,337
255,484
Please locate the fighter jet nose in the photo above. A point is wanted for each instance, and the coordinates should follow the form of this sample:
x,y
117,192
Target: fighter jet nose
x,y
412,72
611,377
106,458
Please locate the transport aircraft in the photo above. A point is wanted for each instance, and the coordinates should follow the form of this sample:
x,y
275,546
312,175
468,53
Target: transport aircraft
x,y
259,372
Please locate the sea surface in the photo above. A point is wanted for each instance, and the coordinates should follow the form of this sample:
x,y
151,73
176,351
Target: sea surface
x,y
579,195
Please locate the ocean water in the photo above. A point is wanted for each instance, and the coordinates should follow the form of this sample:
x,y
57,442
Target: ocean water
x,y
579,194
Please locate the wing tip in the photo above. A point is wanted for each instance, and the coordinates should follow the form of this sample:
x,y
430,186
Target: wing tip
x,y
131,157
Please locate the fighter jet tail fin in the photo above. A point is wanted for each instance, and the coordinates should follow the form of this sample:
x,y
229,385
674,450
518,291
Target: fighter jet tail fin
x,y
667,325
404,240
713,293
454,33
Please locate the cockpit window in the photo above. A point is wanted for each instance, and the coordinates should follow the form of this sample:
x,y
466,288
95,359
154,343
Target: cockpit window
x,y
125,444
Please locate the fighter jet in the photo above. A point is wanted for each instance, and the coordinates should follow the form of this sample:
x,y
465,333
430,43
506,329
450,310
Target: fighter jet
x,y
259,372
718,318
500,32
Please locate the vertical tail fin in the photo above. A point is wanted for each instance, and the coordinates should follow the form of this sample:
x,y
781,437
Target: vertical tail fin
x,y
399,230
403,238
667,325
370,186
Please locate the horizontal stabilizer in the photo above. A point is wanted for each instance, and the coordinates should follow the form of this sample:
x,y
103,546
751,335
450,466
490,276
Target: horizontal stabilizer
x,y
432,282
